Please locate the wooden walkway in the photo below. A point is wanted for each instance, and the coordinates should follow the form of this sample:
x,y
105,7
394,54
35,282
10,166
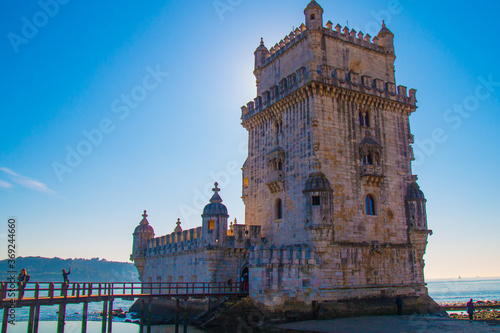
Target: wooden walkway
x,y
36,294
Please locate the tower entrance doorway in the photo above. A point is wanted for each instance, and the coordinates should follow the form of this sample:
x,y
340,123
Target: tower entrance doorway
x,y
244,279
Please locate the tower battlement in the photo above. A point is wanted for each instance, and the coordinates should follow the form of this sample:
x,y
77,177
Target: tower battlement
x,y
338,81
341,33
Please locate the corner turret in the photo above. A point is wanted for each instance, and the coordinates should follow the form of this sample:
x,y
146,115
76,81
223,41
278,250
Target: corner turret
x,y
385,39
214,227
260,54
142,234
319,210
314,15
415,207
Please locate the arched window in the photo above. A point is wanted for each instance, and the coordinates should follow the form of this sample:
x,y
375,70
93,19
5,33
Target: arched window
x,y
313,16
279,209
370,205
245,182
315,200
368,159
364,118
367,119
278,127
211,225
280,165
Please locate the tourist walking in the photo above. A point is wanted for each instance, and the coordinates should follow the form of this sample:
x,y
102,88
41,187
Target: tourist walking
x,y
22,279
65,276
399,304
470,310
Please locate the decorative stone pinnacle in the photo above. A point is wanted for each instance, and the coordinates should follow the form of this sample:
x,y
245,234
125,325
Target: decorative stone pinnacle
x,y
178,227
383,24
235,221
144,215
261,41
216,189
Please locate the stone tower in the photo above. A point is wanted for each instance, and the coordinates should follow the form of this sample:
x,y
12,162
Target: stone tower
x,y
328,174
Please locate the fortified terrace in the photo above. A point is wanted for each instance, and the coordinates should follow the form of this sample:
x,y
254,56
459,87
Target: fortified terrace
x,y
333,213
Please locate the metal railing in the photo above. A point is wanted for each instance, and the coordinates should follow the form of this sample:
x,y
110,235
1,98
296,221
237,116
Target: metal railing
x,y
52,290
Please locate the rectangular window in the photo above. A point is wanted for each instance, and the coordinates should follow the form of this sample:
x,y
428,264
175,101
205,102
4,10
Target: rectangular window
x,y
316,200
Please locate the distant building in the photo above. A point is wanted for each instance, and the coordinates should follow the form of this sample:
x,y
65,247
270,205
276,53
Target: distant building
x,y
332,210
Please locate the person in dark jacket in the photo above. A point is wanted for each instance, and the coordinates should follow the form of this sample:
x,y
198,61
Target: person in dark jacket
x,y
22,279
65,275
399,304
470,310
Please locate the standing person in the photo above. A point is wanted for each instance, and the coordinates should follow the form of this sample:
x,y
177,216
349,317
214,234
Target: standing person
x,y
470,310
23,278
65,275
399,304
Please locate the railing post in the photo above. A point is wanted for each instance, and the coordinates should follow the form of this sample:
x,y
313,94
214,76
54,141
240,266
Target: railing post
x,y
5,319
78,290
37,291
89,293
51,290
100,291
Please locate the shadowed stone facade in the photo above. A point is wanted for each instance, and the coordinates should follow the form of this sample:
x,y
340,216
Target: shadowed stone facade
x,y
332,210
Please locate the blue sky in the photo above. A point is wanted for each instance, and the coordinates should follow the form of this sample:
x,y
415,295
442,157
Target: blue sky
x,y
150,93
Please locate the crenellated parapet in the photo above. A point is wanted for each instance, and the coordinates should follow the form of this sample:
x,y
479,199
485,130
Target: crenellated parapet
x,y
239,236
343,34
176,242
342,81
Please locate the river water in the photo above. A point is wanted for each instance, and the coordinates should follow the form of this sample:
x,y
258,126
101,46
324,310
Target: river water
x,y
441,290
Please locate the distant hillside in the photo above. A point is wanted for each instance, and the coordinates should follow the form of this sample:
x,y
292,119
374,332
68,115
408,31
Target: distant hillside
x,y
82,270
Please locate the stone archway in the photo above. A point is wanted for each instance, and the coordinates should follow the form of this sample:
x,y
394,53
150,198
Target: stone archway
x,y
244,279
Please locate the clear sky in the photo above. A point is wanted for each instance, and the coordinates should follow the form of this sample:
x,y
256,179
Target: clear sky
x,y
148,94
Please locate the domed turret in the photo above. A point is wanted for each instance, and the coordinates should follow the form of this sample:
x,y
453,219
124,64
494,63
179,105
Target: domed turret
x,y
144,228
314,15
215,220
142,234
260,54
414,192
319,209
386,39
317,182
415,207
215,207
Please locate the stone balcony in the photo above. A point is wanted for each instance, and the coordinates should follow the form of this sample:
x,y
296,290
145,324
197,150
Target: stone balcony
x,y
372,174
275,181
